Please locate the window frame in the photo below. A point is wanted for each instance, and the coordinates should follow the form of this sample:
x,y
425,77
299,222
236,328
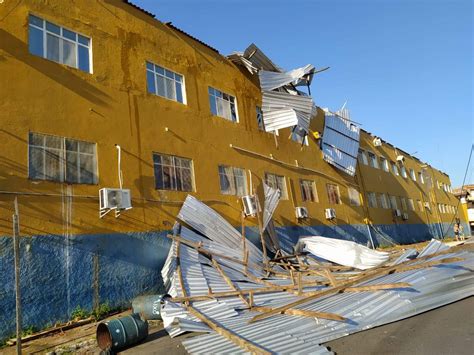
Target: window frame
x,y
353,192
384,202
362,157
283,191
157,74
412,174
193,185
384,164
63,162
237,119
62,38
337,191
373,161
372,199
403,172
234,178
395,169
313,189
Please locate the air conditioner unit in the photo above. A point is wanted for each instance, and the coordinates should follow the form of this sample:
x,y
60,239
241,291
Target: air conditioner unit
x,y
377,142
301,212
397,213
250,204
427,205
330,213
115,199
400,158
405,216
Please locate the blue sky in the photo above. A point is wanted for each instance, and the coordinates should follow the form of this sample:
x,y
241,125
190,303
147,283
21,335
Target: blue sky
x,y
405,67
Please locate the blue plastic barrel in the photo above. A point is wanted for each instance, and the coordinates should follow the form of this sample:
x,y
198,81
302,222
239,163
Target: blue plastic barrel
x,y
148,307
121,332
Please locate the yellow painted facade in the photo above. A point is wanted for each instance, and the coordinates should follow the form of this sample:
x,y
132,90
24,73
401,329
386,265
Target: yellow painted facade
x,y
111,106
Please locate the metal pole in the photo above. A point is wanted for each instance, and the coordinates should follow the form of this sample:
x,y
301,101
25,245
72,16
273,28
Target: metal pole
x,y
16,248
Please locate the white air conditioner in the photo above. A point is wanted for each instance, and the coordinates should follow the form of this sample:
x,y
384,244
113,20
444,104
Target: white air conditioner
x,y
301,212
405,216
397,213
400,158
427,205
377,142
330,213
118,199
250,204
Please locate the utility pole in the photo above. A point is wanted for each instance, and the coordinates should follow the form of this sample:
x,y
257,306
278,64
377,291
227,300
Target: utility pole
x,y
16,248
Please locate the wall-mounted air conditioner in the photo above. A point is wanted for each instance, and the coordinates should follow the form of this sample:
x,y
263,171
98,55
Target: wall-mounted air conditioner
x,y
427,205
301,212
250,204
330,213
397,213
405,216
377,142
115,199
400,158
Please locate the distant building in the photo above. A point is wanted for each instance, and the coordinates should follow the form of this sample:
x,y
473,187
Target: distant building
x,y
466,197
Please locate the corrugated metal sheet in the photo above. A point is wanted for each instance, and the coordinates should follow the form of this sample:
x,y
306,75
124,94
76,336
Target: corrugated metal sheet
x,y
340,143
281,333
281,110
272,197
259,59
270,80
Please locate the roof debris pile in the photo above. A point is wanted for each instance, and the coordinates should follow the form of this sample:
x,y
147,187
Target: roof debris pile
x,y
221,285
283,105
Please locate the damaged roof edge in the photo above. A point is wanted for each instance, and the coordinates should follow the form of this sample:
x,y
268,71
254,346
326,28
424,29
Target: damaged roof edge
x,y
170,25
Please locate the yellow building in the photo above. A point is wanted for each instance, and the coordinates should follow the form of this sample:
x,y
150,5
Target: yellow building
x,y
79,79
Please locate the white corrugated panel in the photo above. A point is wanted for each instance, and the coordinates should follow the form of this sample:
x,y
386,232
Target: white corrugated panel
x,y
272,197
340,143
281,110
270,80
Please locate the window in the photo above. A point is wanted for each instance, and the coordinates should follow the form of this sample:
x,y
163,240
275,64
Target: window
x,y
393,202
61,159
261,125
412,174
372,199
363,157
299,138
420,205
420,177
384,163
411,204
173,173
373,160
334,196
165,83
308,191
354,196
383,201
404,172
395,168
59,44
277,182
223,105
232,180
404,203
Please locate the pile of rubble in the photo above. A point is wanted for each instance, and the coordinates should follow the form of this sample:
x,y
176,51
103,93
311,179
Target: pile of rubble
x,y
222,285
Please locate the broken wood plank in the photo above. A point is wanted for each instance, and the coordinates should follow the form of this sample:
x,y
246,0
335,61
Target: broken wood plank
x,y
233,337
228,281
366,277
303,313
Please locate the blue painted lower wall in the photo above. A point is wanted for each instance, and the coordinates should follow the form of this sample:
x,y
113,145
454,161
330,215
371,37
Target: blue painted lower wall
x,y
59,273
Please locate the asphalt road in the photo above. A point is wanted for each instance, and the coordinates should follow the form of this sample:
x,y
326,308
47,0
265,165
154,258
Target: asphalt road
x,y
445,330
